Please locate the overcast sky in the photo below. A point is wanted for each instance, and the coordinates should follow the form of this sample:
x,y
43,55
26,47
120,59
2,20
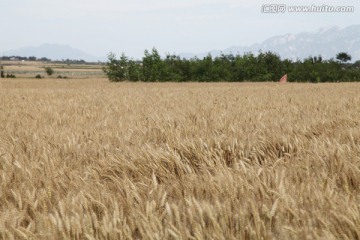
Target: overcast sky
x,y
100,26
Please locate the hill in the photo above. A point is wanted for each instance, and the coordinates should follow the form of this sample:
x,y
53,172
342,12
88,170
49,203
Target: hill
x,y
54,52
326,42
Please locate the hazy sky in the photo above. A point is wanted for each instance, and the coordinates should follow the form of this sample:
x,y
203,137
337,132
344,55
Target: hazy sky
x,y
100,26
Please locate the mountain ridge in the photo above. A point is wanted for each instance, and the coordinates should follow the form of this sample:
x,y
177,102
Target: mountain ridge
x,y
325,41
53,52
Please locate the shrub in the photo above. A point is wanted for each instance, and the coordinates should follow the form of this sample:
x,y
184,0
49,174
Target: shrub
x,y
49,71
10,76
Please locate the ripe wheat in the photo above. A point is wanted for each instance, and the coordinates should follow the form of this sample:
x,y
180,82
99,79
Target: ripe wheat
x,y
89,159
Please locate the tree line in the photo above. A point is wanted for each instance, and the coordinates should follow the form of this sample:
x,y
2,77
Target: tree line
x,y
265,66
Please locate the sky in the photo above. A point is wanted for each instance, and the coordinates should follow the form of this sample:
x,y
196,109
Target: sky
x,y
172,26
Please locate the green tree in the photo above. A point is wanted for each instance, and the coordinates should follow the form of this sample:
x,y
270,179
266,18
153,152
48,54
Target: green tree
x,y
343,57
134,71
172,70
248,67
153,66
270,66
221,70
116,70
357,64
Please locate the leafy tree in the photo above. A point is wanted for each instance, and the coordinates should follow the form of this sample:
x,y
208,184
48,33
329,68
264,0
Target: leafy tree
x,y
153,66
357,64
134,71
270,66
116,70
222,68
172,68
250,67
343,57
204,69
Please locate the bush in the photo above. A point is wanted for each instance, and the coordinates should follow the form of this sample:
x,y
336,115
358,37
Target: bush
x,y
49,71
62,77
38,76
10,76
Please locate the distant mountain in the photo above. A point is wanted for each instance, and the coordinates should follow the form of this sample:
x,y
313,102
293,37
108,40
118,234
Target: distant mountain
x,y
326,42
53,52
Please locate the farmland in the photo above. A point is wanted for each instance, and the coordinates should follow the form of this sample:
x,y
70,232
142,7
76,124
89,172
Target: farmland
x,y
29,69
91,159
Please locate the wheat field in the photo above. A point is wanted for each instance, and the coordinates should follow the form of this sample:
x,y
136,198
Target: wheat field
x,y
90,159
